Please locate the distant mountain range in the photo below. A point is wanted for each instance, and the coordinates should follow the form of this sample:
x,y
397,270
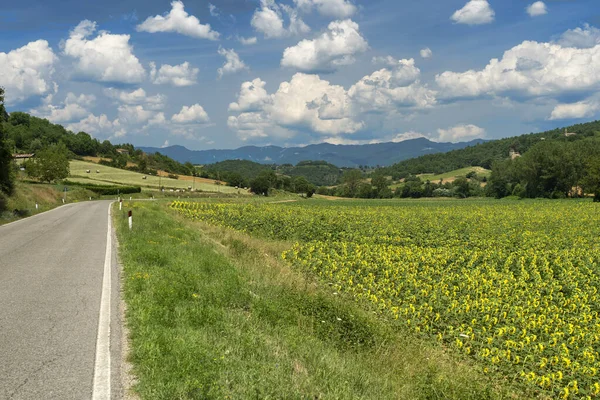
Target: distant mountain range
x,y
382,154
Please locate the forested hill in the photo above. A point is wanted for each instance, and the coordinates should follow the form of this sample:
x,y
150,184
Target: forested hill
x,y
485,154
24,133
241,172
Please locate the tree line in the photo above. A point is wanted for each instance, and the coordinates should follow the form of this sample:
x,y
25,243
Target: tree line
x,y
550,169
23,133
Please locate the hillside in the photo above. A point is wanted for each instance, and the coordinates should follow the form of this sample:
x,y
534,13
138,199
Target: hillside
x,y
485,154
28,134
383,154
109,175
319,173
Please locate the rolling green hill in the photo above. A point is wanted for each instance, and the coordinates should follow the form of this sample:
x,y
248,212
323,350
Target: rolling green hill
x,y
485,154
319,173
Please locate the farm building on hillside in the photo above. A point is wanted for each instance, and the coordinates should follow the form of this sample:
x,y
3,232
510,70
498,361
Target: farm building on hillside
x,y
567,133
513,154
21,158
122,151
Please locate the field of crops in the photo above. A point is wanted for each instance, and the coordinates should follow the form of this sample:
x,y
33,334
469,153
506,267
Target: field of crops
x,y
512,284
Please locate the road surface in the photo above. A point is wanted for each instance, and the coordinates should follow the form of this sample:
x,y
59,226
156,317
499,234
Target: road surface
x,y
52,280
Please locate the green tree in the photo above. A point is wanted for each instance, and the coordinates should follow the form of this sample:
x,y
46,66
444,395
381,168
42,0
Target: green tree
x,y
3,113
303,186
462,187
142,165
352,179
189,167
106,149
19,118
381,185
365,191
499,184
413,187
235,180
50,164
84,145
6,176
260,185
592,178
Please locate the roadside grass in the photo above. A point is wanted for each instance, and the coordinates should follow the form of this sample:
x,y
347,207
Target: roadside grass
x,y
124,177
26,194
216,314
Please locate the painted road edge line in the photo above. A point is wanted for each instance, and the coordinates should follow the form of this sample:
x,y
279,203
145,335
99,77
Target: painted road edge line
x,y
101,388
35,215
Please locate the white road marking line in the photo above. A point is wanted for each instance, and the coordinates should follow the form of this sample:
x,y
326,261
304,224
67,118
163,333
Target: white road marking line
x,y
35,215
101,389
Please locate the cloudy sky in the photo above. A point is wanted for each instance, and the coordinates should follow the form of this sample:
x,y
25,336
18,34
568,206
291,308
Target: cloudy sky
x,y
228,73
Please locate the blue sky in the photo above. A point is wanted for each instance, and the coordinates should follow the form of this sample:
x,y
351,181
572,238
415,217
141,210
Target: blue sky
x,y
228,73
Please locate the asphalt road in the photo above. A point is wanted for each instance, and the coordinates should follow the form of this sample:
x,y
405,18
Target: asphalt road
x,y
51,283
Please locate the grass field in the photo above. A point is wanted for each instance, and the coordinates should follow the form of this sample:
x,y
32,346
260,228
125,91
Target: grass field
x,y
452,175
109,175
514,286
216,314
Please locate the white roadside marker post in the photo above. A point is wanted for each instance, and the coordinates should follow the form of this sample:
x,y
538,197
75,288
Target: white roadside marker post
x,y
37,206
130,220
120,205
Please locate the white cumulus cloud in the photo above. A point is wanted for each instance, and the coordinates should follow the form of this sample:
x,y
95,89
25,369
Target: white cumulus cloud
x,y
581,38
426,53
475,12
97,126
306,102
247,41
269,20
582,109
536,9
179,21
332,49
252,97
105,58
27,71
330,8
194,114
312,105
387,89
530,69
460,133
73,108
410,135
137,115
232,63
214,10
176,75
136,97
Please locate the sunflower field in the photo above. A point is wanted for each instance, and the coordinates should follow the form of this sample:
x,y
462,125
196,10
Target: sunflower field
x,y
514,285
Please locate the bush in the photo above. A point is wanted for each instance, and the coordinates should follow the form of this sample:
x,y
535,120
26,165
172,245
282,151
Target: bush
x,y
441,192
173,176
2,203
21,213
